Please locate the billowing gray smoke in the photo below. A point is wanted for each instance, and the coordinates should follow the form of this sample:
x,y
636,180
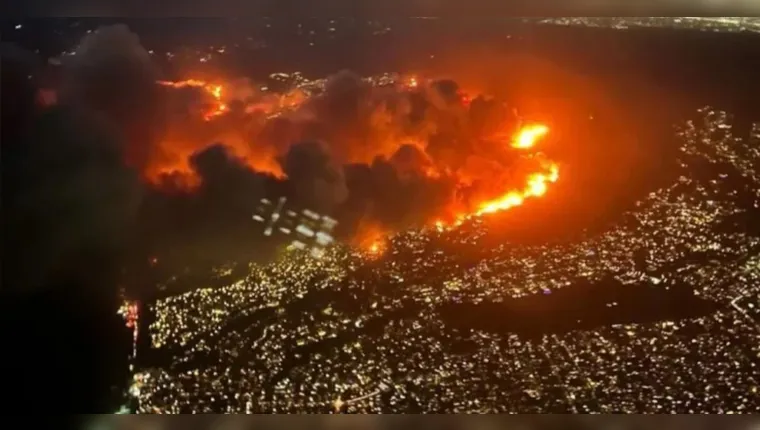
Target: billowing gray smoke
x,y
111,73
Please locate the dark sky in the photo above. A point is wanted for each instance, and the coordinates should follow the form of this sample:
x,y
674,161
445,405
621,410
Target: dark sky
x,y
458,8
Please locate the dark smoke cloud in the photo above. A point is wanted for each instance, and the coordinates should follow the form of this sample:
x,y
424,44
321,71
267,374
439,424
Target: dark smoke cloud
x,y
410,160
213,222
317,182
68,197
111,73
17,92
69,203
72,198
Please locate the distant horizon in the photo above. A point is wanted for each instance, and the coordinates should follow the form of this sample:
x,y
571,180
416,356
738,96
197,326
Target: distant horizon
x,y
430,8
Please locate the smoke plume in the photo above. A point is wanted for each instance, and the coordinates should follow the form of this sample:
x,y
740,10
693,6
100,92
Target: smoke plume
x,y
69,199
111,73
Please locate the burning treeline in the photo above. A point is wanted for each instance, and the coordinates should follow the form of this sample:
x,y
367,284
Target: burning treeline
x,y
379,158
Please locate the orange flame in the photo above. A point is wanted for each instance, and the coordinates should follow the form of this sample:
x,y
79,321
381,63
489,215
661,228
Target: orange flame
x,y
528,135
213,90
536,184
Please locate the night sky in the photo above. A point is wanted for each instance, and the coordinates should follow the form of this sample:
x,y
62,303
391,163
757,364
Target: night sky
x,y
288,8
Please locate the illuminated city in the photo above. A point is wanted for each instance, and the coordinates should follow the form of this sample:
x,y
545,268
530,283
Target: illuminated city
x,y
704,23
352,333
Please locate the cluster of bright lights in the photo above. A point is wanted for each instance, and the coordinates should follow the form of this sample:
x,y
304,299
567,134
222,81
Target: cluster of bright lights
x,y
375,341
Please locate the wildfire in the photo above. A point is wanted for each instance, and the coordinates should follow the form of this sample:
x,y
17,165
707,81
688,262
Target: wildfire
x,y
536,186
536,183
215,91
526,138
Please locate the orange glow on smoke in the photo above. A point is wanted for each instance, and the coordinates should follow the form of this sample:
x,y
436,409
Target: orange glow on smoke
x,y
171,162
386,138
